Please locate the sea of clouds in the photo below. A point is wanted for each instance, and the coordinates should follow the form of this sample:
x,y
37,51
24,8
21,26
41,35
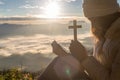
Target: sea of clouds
x,y
34,52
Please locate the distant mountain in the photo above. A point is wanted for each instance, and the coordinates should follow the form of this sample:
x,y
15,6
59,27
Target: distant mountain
x,y
8,24
51,28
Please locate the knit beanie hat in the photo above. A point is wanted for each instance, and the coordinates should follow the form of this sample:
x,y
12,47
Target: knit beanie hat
x,y
95,8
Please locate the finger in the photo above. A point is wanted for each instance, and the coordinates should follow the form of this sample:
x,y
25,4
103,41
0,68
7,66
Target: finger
x,y
72,41
70,46
54,43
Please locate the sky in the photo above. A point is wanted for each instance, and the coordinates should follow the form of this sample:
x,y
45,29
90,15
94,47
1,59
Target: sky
x,y
40,8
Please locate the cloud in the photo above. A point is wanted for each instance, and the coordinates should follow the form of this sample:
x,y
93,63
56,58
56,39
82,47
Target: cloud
x,y
28,6
36,44
21,45
1,3
39,19
29,1
36,38
67,0
34,51
33,4
8,10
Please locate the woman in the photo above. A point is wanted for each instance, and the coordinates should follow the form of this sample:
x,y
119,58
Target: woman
x,y
105,62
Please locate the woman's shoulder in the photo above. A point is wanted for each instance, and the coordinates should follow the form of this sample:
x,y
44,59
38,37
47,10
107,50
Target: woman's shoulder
x,y
114,31
116,22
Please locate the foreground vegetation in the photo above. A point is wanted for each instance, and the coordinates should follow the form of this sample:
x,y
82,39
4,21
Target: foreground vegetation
x,y
15,74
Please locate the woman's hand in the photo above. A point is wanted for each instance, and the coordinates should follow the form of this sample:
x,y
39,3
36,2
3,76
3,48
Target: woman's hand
x,y
78,50
58,50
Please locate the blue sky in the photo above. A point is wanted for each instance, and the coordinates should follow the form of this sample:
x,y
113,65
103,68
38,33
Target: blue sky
x,y
36,7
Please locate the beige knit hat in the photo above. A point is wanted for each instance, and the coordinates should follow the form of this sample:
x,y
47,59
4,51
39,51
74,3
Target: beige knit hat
x,y
95,8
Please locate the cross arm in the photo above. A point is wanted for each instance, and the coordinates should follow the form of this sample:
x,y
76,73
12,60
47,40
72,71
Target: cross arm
x,y
79,26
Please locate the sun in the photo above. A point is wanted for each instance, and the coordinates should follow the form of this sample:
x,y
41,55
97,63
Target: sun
x,y
52,10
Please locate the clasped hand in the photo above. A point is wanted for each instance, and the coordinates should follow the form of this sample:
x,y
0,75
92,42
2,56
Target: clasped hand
x,y
76,49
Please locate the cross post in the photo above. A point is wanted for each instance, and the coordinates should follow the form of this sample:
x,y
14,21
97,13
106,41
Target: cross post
x,y
74,27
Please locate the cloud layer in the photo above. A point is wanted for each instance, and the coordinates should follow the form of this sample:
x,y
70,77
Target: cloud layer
x,y
30,46
34,44
33,52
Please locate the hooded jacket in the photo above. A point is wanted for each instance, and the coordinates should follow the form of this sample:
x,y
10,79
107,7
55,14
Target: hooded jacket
x,y
106,66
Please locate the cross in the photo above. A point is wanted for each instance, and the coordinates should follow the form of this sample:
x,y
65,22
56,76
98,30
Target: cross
x,y
75,26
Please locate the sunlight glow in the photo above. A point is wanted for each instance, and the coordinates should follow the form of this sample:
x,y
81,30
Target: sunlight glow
x,y
52,10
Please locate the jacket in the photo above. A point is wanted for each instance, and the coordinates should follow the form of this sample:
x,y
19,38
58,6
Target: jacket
x,y
106,66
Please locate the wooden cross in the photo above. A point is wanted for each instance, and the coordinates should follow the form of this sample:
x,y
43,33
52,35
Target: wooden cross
x,y
75,26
